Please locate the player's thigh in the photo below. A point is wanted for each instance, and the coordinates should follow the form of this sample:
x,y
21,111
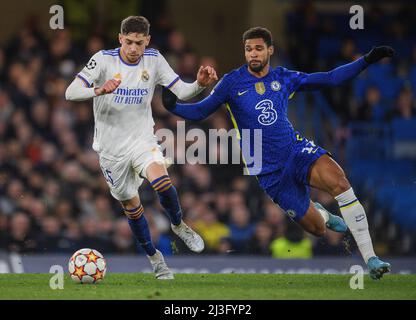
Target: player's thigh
x,y
155,170
327,175
313,222
121,178
150,163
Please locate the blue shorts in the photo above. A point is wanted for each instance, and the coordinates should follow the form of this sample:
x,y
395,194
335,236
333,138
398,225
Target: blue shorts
x,y
289,187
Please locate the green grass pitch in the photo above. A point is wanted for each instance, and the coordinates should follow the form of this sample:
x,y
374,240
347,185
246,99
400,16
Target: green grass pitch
x,y
209,287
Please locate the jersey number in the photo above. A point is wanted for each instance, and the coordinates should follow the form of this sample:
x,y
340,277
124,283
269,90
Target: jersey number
x,y
268,114
107,176
312,149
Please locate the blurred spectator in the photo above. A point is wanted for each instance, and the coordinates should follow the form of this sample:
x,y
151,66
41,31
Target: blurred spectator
x,y
275,218
73,233
211,230
122,238
222,205
9,200
261,240
3,231
91,237
293,245
405,108
50,238
20,239
372,110
177,47
331,245
241,228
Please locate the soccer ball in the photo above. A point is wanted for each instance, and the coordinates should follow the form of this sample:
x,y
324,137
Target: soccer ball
x,y
87,266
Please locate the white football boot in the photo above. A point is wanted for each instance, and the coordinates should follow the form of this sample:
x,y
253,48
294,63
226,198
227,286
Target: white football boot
x,y
161,270
189,236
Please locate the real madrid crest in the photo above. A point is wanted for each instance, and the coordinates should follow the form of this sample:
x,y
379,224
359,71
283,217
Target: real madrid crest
x,y
275,85
260,89
145,75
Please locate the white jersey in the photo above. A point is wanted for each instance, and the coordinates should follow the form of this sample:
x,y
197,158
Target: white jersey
x,y
123,119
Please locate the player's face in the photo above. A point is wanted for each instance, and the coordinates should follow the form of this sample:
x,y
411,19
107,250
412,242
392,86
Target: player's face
x,y
133,45
257,54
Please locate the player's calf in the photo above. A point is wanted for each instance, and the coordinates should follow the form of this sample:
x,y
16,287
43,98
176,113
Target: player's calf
x,y
170,201
138,225
168,198
313,222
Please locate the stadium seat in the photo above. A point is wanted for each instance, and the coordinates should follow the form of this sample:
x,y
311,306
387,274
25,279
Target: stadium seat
x,y
328,47
404,138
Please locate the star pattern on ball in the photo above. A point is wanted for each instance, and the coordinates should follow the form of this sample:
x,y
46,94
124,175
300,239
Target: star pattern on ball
x,y
92,257
98,275
79,272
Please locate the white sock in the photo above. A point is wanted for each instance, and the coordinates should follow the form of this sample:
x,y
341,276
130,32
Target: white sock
x,y
354,215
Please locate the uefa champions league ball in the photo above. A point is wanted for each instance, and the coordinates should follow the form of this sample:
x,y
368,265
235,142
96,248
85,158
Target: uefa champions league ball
x,y
87,266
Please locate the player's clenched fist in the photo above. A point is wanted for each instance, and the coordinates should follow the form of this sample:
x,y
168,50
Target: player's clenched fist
x,y
206,76
108,87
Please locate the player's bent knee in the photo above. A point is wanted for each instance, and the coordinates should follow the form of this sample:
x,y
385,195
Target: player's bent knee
x,y
342,185
318,230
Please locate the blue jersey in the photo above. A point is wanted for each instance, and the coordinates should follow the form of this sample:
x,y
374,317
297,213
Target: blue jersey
x,y
261,103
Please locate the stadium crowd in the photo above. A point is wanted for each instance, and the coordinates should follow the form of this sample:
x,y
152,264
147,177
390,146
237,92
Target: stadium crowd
x,y
54,198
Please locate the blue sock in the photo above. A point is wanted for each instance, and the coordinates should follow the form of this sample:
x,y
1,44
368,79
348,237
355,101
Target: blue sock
x,y
168,198
140,228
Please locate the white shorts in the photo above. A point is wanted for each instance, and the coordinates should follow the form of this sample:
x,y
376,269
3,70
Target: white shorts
x,y
125,176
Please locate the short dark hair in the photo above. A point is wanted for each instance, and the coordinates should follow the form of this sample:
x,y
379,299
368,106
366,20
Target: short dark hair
x,y
258,32
135,24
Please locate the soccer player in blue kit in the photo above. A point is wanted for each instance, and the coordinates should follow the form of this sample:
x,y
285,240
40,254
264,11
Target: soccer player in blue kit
x,y
257,98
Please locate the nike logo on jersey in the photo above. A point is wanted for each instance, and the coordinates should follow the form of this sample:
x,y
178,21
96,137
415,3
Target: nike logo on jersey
x,y
242,92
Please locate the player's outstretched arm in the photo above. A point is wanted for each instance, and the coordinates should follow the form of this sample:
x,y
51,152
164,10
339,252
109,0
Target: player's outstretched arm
x,y
190,111
77,91
345,72
185,91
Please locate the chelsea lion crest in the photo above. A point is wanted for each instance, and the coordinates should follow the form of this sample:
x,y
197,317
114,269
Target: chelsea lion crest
x,y
291,213
275,85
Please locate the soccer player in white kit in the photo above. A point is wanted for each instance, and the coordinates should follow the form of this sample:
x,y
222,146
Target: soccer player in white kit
x,y
122,82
